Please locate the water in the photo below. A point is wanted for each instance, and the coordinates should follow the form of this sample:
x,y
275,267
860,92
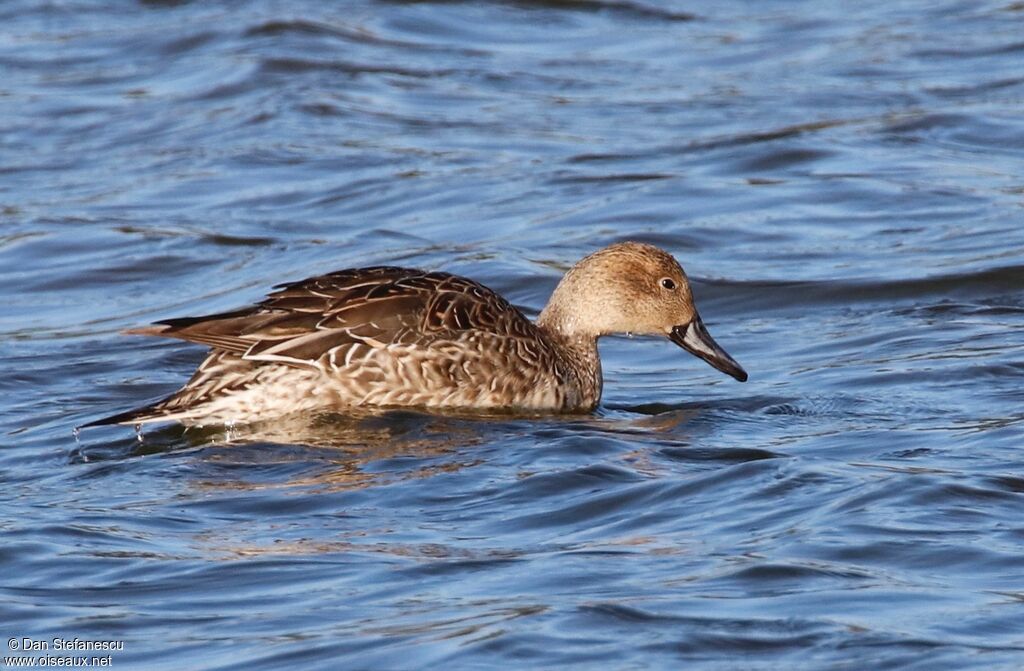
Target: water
x,y
844,188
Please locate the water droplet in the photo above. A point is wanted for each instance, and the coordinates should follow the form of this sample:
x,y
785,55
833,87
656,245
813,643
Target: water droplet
x,y
138,432
77,432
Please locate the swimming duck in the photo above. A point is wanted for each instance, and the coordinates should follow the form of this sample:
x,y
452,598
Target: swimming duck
x,y
398,337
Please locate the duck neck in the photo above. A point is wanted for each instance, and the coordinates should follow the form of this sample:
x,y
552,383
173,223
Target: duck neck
x,y
579,352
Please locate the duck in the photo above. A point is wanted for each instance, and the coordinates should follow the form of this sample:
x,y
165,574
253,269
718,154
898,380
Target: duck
x,y
385,337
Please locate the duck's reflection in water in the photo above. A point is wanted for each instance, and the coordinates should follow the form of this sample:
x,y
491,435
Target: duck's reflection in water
x,y
335,484
410,443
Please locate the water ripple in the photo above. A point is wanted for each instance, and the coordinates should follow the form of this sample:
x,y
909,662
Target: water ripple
x,y
843,189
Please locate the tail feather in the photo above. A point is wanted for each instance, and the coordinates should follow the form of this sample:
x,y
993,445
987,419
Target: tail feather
x,y
219,373
155,412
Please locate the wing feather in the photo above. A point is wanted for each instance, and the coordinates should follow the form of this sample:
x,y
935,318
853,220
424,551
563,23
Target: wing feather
x,y
320,318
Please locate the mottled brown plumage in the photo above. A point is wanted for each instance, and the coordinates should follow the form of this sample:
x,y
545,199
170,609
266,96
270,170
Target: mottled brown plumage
x,y
399,337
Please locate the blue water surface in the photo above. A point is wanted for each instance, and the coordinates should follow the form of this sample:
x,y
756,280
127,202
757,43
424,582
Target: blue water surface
x,y
844,185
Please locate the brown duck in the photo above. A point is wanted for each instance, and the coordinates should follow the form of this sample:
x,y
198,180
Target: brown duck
x,y
400,337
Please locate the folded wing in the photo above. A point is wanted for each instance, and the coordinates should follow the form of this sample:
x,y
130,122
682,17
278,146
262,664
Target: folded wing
x,y
316,320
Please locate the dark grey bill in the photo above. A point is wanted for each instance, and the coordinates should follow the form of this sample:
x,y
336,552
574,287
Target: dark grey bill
x,y
696,340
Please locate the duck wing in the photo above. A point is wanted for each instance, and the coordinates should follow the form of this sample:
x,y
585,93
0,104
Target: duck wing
x,y
318,319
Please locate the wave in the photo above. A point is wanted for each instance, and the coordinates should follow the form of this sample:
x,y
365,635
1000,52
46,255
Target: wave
x,y
759,294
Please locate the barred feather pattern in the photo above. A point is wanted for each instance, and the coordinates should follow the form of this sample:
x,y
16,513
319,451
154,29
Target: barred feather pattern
x,y
380,336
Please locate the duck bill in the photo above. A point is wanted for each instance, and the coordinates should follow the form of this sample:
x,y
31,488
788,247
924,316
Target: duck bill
x,y
696,340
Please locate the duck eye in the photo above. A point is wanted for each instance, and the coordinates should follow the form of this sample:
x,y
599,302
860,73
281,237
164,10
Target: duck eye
x,y
668,283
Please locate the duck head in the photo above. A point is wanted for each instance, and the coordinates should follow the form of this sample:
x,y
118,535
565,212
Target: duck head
x,y
631,287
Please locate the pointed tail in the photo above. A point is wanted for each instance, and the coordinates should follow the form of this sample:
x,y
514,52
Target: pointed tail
x,y
155,412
